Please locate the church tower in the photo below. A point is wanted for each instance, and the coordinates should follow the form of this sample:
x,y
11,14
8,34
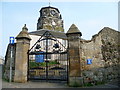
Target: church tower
x,y
51,19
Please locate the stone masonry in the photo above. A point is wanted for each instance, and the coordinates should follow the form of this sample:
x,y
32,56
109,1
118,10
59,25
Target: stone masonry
x,y
74,53
21,61
6,68
104,50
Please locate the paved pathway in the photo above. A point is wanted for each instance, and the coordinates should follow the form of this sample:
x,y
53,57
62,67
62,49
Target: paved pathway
x,y
35,84
43,84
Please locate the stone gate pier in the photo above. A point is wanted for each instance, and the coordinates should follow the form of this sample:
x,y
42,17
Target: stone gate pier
x,y
74,52
21,61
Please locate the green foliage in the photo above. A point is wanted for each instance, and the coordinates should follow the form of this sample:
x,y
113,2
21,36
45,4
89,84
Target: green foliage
x,y
59,29
5,79
75,84
92,84
48,27
88,84
42,64
35,64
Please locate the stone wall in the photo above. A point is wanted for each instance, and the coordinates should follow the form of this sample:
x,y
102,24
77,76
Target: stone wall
x,y
103,49
6,70
1,60
110,52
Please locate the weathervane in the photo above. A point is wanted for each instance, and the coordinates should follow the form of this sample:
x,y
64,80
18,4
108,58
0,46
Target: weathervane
x,y
49,3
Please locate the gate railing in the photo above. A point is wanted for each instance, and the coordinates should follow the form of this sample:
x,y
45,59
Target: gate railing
x,y
48,59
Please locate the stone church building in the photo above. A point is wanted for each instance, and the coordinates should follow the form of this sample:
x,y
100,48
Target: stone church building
x,y
49,53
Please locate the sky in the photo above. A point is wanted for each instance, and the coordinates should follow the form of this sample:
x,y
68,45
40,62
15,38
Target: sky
x,y
89,17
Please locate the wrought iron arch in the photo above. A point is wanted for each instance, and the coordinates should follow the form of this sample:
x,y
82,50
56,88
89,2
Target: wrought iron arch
x,y
48,59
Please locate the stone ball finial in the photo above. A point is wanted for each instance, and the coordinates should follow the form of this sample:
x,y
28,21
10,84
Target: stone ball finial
x,y
24,33
24,28
74,30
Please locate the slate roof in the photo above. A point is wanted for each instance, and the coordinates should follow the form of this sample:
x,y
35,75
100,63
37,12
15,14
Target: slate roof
x,y
56,34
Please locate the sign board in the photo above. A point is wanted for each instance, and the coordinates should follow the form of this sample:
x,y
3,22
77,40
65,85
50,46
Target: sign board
x,y
12,39
89,61
39,58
